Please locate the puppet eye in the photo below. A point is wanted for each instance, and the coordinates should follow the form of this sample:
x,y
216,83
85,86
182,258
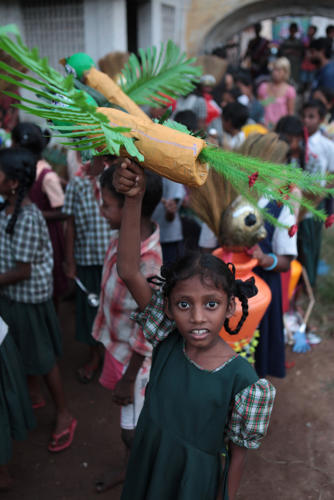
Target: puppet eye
x,y
250,220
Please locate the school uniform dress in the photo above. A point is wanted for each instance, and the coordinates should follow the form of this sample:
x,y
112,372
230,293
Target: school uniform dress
x,y
16,414
26,306
92,236
270,352
188,415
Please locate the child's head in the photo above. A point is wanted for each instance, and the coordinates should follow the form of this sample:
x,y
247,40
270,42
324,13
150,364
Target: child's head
x,y
314,112
113,201
204,275
230,95
30,136
235,116
245,84
281,70
291,130
17,175
187,118
320,51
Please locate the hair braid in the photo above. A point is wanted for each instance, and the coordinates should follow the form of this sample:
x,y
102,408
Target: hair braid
x,y
21,192
244,304
243,291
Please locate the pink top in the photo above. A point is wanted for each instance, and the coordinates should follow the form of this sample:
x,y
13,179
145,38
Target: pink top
x,y
276,107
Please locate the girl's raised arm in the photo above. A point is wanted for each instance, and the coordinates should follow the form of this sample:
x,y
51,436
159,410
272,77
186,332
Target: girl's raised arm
x,y
129,179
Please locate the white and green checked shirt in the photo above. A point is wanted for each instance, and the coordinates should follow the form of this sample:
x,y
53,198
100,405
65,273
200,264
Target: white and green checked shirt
x,y
31,243
92,232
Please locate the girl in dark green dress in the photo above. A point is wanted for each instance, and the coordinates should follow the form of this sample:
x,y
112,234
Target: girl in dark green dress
x,y
203,402
16,414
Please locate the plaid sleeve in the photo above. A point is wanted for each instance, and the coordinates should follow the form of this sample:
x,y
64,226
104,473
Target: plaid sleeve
x,y
68,207
26,238
153,320
251,414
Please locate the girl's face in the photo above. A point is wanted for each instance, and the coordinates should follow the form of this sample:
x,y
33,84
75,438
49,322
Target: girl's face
x,y
111,209
7,186
311,120
295,142
226,99
278,75
199,310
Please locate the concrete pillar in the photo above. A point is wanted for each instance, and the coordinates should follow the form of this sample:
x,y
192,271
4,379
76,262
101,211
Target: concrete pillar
x,y
105,27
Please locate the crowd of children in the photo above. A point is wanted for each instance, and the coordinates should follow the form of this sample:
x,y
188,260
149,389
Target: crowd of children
x,y
109,233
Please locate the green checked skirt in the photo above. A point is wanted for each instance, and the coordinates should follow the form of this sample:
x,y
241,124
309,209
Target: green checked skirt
x,y
36,332
16,414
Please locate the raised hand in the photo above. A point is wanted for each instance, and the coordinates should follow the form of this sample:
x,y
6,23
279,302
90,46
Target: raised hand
x,y
129,178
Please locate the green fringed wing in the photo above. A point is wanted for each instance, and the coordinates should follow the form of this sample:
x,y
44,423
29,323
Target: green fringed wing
x,y
271,180
158,72
59,100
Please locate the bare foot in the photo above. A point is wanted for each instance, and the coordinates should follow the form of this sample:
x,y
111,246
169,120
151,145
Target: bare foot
x,y
6,482
110,480
87,372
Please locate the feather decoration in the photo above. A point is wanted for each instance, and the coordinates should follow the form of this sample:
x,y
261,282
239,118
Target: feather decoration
x,y
272,180
156,72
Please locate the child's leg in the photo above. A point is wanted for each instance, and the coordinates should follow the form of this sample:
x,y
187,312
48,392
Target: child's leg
x,y
65,423
129,419
35,391
6,481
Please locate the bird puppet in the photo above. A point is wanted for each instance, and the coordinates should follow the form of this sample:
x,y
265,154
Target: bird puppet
x,y
106,118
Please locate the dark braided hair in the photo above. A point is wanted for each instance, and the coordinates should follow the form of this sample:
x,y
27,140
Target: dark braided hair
x,y
208,268
30,136
18,164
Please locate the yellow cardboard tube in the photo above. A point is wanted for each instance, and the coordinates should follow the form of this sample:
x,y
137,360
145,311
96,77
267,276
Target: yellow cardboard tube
x,y
111,91
167,152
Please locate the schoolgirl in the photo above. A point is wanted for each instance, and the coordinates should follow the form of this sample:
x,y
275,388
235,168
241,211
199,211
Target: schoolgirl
x,y
26,286
200,393
16,414
48,195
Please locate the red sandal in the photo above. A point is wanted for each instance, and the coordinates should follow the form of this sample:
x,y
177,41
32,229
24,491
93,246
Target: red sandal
x,y
54,445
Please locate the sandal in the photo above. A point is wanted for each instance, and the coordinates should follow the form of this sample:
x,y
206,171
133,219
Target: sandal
x,y
57,443
39,404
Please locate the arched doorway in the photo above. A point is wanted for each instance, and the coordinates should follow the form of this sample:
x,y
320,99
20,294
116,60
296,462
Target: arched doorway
x,y
210,33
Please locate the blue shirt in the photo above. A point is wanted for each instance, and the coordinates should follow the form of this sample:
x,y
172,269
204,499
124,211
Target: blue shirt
x,y
324,77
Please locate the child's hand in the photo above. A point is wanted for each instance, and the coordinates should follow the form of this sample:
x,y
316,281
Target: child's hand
x,y
261,257
123,392
129,178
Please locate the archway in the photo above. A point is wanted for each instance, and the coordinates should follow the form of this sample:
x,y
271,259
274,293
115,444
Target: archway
x,y
244,13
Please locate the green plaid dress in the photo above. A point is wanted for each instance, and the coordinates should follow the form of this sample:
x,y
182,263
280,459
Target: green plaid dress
x,y
16,414
188,416
26,306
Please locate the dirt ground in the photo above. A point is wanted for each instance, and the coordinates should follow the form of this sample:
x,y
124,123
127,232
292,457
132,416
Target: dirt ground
x,y
295,461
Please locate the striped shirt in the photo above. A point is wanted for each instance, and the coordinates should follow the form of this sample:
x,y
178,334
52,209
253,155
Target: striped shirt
x,y
113,326
250,409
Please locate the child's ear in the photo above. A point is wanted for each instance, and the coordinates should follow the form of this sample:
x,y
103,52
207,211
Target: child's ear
x,y
167,310
230,308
